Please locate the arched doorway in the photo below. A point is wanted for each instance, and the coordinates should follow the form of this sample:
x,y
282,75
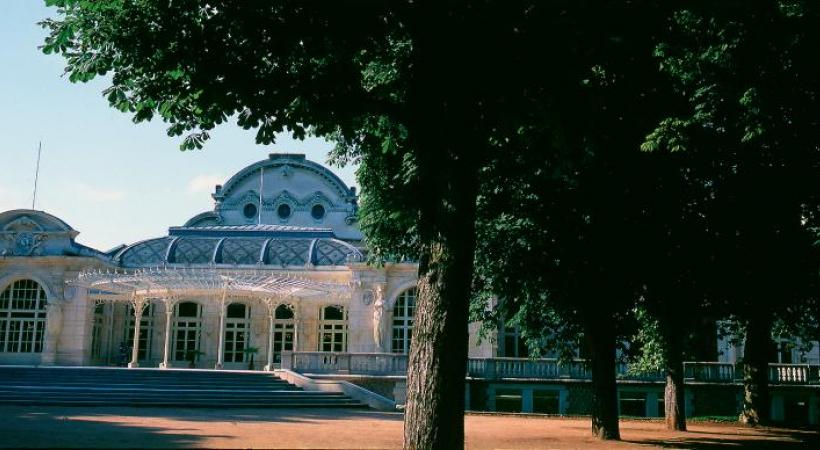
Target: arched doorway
x,y
237,335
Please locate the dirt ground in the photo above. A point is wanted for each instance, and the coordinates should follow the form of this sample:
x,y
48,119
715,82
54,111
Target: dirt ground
x,y
112,427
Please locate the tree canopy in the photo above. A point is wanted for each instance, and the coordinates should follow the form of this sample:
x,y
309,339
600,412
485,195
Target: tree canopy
x,y
588,157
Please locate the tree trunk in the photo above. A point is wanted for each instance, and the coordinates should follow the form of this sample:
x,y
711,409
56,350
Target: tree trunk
x,y
674,399
434,417
601,338
755,368
443,134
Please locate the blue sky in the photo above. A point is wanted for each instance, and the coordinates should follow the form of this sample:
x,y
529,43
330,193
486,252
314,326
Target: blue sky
x,y
112,180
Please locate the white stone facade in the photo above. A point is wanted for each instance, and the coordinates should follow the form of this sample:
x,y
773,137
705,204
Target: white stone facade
x,y
313,236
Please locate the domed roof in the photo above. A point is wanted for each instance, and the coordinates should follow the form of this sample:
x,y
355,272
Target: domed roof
x,y
30,219
269,245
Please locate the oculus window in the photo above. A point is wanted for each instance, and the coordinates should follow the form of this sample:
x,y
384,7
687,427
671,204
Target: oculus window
x,y
318,212
249,211
283,211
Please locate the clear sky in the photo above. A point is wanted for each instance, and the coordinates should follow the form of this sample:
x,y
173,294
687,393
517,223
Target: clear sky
x,y
113,181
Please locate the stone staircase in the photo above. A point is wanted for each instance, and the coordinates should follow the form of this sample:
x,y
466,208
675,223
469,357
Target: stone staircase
x,y
98,386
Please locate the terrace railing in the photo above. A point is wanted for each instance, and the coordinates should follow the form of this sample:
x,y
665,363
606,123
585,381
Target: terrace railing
x,y
381,364
346,363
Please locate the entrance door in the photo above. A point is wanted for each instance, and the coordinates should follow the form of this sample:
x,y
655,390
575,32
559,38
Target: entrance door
x,y
187,332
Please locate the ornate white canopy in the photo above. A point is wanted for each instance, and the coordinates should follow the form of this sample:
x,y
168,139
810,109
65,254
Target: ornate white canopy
x,y
168,282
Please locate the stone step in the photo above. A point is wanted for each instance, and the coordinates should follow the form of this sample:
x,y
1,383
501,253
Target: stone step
x,y
157,387
186,403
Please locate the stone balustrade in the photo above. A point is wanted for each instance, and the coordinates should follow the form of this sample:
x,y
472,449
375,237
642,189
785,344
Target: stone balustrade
x,y
345,363
709,371
380,364
793,373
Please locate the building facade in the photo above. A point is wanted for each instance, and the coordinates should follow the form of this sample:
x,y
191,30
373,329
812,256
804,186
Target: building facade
x,y
286,222
275,276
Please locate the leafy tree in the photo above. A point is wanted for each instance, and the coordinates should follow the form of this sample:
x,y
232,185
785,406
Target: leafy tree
x,y
560,230
419,92
677,258
748,73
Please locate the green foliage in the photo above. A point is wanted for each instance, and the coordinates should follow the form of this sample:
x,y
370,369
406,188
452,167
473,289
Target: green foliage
x,y
651,358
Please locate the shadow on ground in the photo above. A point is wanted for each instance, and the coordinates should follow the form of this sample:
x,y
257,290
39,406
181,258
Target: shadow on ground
x,y
762,439
129,427
39,429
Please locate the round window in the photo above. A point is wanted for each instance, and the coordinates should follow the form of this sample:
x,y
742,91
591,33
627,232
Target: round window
x,y
249,211
283,211
318,212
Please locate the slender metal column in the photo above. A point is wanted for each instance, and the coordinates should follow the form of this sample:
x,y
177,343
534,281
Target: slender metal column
x,y
220,351
138,304
269,367
169,316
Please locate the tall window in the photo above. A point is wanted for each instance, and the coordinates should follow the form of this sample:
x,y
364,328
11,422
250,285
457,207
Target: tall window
x,y
146,330
510,342
237,335
187,329
403,313
333,329
22,317
283,331
96,331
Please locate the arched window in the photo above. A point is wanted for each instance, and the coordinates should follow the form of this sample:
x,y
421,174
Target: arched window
x,y
283,331
237,332
146,330
22,317
187,330
333,329
403,313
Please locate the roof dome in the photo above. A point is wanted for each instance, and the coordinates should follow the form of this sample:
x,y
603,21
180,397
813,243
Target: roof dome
x,y
269,245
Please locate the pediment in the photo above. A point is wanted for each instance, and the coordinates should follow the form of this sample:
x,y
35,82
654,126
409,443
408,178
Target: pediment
x,y
23,224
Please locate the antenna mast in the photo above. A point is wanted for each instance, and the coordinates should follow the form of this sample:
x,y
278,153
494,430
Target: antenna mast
x,y
36,174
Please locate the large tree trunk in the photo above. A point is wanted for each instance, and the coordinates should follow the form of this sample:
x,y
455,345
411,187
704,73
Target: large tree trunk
x,y
600,336
674,400
448,149
434,417
755,368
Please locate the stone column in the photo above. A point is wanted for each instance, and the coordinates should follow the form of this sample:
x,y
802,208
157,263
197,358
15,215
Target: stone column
x,y
138,305
269,366
54,325
221,346
169,316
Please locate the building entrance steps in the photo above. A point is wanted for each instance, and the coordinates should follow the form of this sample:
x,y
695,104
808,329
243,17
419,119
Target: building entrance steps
x,y
90,386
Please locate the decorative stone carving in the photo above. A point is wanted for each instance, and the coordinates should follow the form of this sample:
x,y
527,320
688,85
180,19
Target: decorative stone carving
x,y
24,243
286,170
378,315
367,297
69,292
23,223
